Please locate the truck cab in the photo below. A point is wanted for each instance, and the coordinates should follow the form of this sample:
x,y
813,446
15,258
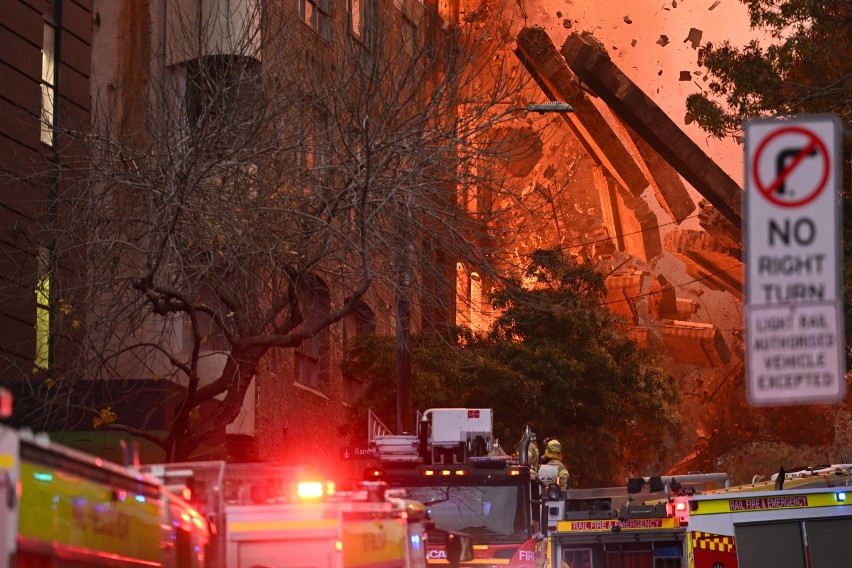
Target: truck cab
x,y
468,484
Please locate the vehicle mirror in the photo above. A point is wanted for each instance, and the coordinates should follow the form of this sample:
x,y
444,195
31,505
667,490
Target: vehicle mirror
x,y
459,548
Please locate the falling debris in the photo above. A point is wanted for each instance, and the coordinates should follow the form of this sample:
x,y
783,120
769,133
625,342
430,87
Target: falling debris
x,y
660,72
688,118
716,3
663,41
589,37
566,23
694,37
558,14
633,43
685,76
674,3
627,20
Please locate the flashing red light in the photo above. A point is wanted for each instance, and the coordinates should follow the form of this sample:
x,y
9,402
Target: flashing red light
x,y
309,490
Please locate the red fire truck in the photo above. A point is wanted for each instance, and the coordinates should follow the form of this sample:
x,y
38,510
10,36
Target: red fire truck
x,y
454,466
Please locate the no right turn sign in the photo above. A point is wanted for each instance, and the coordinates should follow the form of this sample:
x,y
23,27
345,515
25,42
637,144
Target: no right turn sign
x,y
792,227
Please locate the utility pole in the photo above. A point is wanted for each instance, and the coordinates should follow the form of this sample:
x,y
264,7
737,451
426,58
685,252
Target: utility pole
x,y
404,408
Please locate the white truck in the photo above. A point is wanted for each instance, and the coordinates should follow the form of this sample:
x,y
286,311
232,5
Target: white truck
x,y
268,516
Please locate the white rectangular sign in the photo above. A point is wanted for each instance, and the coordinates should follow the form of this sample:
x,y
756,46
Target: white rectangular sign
x,y
792,230
793,353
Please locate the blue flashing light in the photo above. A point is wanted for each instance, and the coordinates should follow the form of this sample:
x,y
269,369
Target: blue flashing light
x,y
840,496
415,541
40,476
140,498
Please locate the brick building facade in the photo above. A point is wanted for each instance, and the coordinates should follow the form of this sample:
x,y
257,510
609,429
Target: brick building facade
x,y
44,85
298,397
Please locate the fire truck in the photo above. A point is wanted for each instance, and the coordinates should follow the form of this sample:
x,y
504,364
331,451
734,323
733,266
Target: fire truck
x,y
273,516
795,519
468,484
641,525
63,508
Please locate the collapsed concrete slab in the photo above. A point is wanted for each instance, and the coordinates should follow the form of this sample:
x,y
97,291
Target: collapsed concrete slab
x,y
613,144
623,291
693,343
538,54
669,189
628,218
592,65
706,260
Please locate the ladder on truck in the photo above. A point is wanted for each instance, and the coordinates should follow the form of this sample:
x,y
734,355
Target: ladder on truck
x,y
390,447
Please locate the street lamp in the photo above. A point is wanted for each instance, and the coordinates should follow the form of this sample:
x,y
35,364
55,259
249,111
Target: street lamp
x,y
540,108
549,106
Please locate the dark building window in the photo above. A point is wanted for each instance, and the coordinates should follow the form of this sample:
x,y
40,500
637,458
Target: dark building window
x,y
363,19
360,322
48,83
317,14
221,100
311,360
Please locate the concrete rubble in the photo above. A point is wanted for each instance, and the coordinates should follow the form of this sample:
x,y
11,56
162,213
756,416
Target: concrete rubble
x,y
635,148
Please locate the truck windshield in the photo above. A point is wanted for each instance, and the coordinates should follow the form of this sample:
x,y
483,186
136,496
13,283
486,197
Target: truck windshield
x,y
485,512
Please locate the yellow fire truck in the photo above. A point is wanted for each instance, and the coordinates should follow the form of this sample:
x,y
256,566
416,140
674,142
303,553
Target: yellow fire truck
x,y
66,509
637,526
795,519
792,526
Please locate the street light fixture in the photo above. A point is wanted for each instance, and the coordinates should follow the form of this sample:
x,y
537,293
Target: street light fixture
x,y
540,108
550,106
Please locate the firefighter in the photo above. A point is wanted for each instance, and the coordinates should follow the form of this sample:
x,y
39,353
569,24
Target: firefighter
x,y
552,466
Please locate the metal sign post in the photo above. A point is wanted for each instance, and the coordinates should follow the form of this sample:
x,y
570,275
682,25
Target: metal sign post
x,y
792,228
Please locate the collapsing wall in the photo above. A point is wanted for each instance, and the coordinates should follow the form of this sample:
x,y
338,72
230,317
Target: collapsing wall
x,y
636,149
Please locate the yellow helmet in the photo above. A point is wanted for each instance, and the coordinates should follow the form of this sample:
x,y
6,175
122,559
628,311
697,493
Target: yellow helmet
x,y
553,450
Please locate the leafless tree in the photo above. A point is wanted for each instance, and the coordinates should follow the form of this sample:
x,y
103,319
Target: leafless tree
x,y
255,167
